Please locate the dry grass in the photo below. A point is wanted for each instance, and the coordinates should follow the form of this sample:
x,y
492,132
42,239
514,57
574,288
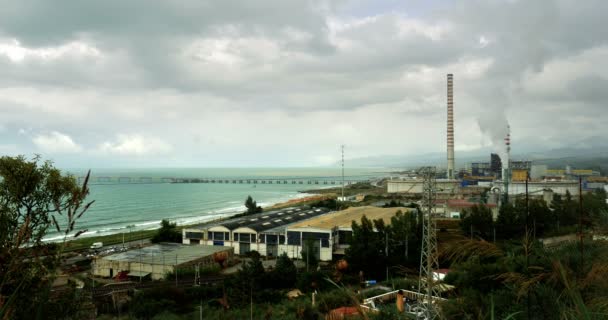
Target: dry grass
x,y
461,250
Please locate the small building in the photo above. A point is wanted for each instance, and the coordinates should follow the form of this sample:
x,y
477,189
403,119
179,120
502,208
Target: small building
x,y
157,260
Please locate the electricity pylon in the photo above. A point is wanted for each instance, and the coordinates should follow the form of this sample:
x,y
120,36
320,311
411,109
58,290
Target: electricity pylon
x,y
428,254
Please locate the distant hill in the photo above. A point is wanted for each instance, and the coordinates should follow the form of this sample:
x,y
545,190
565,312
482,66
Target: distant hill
x,y
588,154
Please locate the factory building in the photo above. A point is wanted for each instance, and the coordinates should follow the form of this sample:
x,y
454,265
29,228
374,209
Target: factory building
x,y
538,171
539,187
155,261
520,165
481,169
495,165
327,232
518,175
414,186
252,232
330,233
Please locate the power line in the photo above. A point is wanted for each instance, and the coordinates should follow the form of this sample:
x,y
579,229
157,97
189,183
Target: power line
x,y
342,172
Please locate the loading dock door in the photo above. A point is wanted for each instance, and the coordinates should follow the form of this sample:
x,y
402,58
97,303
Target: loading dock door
x,y
316,247
272,250
244,247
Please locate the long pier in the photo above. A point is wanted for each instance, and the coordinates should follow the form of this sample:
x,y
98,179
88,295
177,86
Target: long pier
x,y
264,181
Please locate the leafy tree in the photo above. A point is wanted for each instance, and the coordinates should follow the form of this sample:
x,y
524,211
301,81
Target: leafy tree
x,y
393,204
477,219
596,208
367,249
308,255
541,217
167,233
510,222
501,280
284,274
248,281
404,243
566,210
328,203
34,197
252,206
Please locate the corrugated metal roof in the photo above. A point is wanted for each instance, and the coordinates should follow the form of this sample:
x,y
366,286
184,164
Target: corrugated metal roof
x,y
344,218
166,253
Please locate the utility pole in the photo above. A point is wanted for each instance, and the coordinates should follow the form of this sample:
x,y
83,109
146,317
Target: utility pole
x,y
386,252
342,172
527,206
407,248
527,244
197,283
428,253
175,268
580,220
307,255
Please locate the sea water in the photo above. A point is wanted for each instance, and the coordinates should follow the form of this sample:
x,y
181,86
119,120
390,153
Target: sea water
x,y
124,207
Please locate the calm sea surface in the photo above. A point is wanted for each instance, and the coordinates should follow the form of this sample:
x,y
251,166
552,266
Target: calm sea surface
x,y
120,207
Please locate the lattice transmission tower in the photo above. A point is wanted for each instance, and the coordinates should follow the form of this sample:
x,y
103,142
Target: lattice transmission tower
x,y
428,255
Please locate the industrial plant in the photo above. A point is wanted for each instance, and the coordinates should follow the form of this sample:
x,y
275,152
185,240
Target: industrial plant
x,y
501,175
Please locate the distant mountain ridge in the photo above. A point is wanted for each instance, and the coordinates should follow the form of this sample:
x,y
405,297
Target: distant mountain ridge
x,y
588,154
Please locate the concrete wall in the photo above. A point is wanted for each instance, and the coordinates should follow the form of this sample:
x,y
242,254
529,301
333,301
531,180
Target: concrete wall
x,y
538,171
538,187
415,186
102,266
158,268
295,252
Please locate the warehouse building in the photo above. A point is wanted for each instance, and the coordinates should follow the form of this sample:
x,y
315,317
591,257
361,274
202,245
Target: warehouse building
x,y
415,186
288,231
261,232
157,260
330,234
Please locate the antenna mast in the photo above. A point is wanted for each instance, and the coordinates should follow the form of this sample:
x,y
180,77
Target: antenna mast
x,y
342,172
428,254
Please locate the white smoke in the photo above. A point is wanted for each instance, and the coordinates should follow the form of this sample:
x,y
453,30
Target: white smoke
x,y
495,127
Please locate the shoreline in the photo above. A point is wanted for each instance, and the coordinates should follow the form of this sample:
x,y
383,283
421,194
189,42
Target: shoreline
x,y
112,238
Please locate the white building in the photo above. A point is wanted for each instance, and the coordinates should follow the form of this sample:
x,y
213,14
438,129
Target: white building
x,y
250,232
156,261
415,186
330,233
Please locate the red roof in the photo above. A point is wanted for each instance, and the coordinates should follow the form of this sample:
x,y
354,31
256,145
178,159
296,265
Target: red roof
x,y
345,311
442,271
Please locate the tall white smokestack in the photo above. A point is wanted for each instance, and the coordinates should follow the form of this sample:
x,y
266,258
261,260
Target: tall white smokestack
x,y
450,127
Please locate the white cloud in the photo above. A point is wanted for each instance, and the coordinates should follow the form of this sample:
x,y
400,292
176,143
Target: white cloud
x,y
56,142
222,78
16,52
325,160
135,145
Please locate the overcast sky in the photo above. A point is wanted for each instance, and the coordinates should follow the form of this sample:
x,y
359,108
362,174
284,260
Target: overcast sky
x,y
284,83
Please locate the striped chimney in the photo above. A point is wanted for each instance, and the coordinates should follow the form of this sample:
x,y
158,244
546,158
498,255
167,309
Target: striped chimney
x,y
450,127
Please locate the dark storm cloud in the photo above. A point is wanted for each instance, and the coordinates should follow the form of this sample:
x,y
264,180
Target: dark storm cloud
x,y
109,78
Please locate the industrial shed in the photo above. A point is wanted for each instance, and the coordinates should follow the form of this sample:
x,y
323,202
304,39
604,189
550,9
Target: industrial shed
x,y
261,232
156,260
330,233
